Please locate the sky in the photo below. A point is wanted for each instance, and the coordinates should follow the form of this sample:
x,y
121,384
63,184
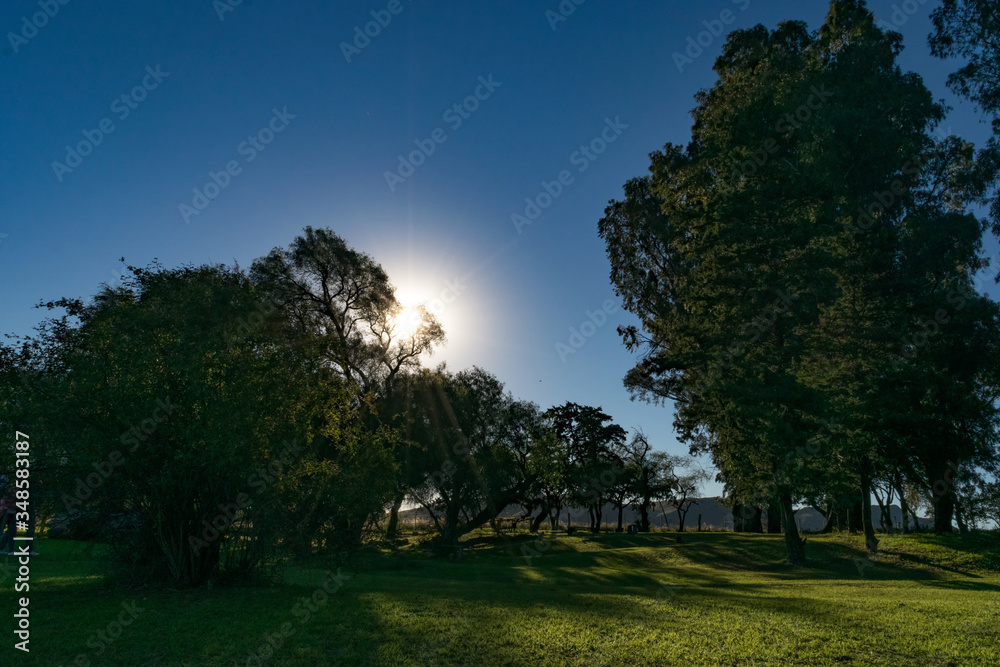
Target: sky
x,y
197,131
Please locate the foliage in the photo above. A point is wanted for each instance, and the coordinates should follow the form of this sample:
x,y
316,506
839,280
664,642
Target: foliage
x,y
477,439
594,447
342,302
176,406
775,262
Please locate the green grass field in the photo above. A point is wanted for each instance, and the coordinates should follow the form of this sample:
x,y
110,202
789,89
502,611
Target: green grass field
x,y
714,599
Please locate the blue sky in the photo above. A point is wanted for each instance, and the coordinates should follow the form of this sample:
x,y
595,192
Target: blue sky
x,y
308,138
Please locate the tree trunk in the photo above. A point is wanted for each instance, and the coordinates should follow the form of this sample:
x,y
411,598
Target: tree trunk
x,y
773,518
856,515
886,528
738,522
644,515
904,510
943,504
832,517
963,528
871,542
391,529
755,524
537,521
621,508
448,538
794,549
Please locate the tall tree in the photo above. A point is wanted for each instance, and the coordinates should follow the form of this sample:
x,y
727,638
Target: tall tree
x,y
343,309
549,472
735,253
594,443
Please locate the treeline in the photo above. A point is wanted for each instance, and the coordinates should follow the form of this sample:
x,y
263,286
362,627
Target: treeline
x,y
806,274
209,421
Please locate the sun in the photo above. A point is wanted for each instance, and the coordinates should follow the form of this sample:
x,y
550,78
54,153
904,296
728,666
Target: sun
x,y
407,322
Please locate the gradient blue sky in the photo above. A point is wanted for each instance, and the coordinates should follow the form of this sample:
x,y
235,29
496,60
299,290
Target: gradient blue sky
x,y
450,222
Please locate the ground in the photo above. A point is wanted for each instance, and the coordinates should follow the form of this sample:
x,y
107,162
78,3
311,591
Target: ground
x,y
612,599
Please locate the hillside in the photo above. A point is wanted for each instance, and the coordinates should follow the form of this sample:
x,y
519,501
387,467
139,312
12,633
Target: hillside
x,y
714,516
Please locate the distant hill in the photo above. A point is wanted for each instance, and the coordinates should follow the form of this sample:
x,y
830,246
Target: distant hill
x,y
714,515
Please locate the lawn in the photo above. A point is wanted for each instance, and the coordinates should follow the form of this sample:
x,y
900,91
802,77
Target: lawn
x,y
713,599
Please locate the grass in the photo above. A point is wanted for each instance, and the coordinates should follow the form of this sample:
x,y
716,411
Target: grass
x,y
611,599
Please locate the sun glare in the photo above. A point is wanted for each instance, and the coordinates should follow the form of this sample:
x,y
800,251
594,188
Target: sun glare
x,y
407,322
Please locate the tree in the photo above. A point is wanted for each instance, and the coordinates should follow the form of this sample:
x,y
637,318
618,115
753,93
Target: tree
x,y
343,303
166,405
712,266
479,439
684,485
649,474
764,270
989,502
621,493
548,471
594,444
404,409
344,310
970,29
